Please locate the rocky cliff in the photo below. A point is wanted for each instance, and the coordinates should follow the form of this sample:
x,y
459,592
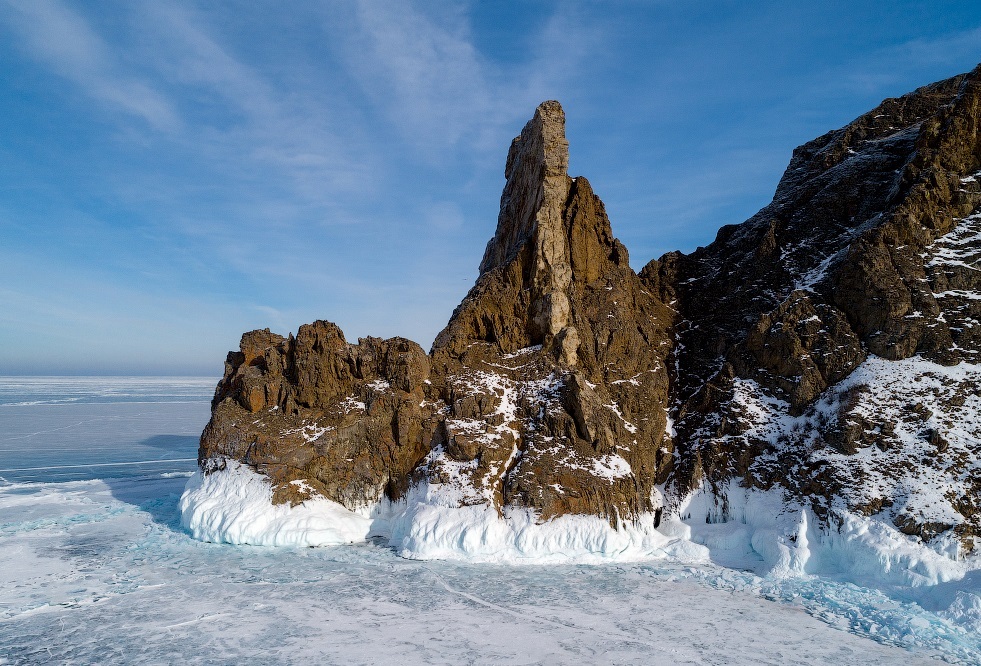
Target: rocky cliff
x,y
827,347
788,323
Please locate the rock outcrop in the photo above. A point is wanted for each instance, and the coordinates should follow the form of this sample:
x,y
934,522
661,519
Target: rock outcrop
x,y
548,388
826,347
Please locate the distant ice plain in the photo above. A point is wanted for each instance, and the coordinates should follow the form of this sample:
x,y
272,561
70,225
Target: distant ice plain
x,y
94,568
76,428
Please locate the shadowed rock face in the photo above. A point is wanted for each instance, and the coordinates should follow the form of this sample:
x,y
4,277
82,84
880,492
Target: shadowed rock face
x,y
779,350
870,228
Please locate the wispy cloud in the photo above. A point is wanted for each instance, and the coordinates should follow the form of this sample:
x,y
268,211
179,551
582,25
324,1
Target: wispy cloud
x,y
289,135
272,195
64,41
425,76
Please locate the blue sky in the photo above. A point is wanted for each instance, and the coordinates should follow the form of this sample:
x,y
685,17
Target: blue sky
x,y
176,173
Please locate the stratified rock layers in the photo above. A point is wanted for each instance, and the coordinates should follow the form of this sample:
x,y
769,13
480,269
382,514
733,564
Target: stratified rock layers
x,y
566,383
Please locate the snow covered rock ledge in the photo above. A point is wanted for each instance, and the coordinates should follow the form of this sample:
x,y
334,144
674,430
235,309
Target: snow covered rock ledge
x,y
424,527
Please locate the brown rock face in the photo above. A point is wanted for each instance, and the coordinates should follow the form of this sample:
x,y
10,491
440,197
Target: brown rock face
x,y
547,389
828,346
350,421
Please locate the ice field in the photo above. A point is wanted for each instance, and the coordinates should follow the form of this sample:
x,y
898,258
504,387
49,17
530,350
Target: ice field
x,y
96,568
72,428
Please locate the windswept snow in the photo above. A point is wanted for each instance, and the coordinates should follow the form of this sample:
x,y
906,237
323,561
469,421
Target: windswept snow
x,y
957,247
615,408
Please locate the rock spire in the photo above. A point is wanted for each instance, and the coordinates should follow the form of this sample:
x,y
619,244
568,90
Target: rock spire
x,y
828,347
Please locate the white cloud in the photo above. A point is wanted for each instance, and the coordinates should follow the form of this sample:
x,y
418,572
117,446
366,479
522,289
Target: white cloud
x,y
426,75
63,40
281,132
295,184
423,72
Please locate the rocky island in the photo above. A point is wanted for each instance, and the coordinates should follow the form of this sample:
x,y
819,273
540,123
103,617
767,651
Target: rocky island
x,y
802,391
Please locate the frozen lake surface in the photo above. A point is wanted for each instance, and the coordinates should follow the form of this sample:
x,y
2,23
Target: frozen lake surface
x,y
94,568
75,428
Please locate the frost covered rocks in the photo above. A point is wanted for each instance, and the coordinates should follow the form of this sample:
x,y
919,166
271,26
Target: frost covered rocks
x,y
824,353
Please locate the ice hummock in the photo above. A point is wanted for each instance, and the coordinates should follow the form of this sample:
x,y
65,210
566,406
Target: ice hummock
x,y
234,506
764,532
759,531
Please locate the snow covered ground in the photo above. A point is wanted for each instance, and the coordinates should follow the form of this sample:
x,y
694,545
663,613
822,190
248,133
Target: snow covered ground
x,y
99,569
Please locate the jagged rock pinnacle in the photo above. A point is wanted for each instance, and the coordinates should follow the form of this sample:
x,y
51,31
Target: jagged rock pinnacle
x,y
532,207
552,238
537,184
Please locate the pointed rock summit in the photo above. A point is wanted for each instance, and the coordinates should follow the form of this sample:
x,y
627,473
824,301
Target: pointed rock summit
x,y
827,349
537,186
553,239
532,212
